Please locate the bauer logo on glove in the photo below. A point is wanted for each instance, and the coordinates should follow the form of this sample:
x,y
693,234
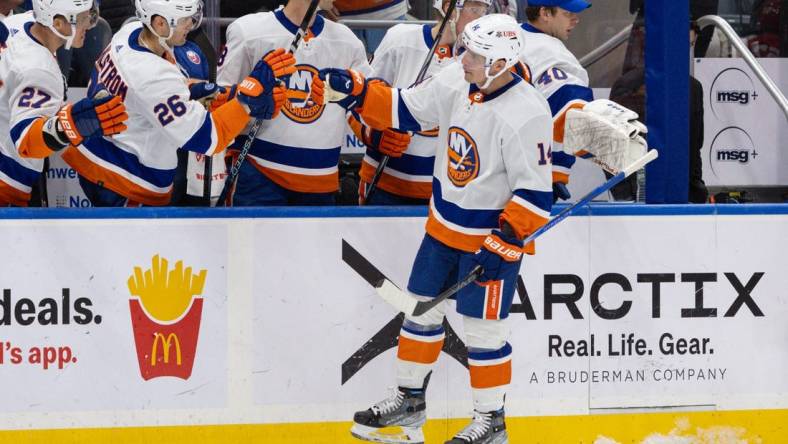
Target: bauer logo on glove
x,y
506,251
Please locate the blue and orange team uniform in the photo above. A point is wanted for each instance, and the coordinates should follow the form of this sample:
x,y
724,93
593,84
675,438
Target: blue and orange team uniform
x,y
491,167
558,75
398,60
138,166
295,157
372,9
32,91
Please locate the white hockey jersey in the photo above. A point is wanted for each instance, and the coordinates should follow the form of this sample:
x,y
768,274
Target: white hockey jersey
x,y
491,163
372,9
561,79
140,162
33,89
398,60
299,150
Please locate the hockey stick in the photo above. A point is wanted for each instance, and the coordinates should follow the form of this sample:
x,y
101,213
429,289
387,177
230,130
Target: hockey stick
x,y
258,123
206,180
419,78
410,305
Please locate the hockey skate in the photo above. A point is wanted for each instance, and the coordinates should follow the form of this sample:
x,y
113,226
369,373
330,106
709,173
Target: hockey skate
x,y
485,428
395,420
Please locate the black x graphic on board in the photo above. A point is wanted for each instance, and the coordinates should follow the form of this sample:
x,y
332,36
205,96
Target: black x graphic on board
x,y
388,336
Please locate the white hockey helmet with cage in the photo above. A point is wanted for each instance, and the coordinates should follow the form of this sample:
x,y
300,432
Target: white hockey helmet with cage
x,y
172,11
45,12
494,37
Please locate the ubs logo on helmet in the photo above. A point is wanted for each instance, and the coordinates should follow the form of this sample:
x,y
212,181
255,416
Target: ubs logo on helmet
x,y
299,106
463,164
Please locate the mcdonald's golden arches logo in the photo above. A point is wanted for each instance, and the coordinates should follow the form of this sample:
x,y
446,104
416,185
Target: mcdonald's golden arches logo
x,y
166,309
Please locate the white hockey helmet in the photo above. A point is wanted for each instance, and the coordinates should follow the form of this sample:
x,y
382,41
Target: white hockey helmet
x,y
495,37
45,12
173,11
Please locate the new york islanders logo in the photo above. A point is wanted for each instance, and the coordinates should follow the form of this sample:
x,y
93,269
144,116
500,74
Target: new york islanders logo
x,y
463,164
299,106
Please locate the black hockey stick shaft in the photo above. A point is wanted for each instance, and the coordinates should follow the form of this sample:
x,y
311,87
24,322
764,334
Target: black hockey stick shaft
x,y
258,123
42,184
419,78
424,306
206,180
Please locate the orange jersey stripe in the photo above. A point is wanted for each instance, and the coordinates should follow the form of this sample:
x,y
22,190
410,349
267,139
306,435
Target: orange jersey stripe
x,y
113,181
559,122
489,376
560,177
11,196
33,145
395,185
454,239
524,223
377,106
301,183
412,350
229,120
350,6
356,126
430,133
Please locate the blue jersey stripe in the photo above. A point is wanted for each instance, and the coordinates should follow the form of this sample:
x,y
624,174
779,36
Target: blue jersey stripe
x,y
19,128
563,159
566,94
200,142
408,164
406,120
293,156
541,199
457,215
105,150
20,173
316,28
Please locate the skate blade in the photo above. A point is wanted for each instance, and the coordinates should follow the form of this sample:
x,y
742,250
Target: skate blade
x,y
389,435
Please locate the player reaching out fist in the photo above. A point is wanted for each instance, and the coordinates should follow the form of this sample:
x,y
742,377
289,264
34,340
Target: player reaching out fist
x,y
34,119
491,189
138,166
294,159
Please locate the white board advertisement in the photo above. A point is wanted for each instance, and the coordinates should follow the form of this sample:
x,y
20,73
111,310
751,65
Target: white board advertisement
x,y
610,318
264,321
104,315
744,128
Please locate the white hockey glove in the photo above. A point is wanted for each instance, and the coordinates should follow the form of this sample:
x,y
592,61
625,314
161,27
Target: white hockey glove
x,y
607,132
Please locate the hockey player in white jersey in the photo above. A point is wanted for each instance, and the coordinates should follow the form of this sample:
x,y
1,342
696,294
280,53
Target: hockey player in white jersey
x,y
34,119
294,159
407,178
138,166
491,188
557,73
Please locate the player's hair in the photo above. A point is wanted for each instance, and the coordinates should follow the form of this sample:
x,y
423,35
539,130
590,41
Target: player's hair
x,y
532,12
438,15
